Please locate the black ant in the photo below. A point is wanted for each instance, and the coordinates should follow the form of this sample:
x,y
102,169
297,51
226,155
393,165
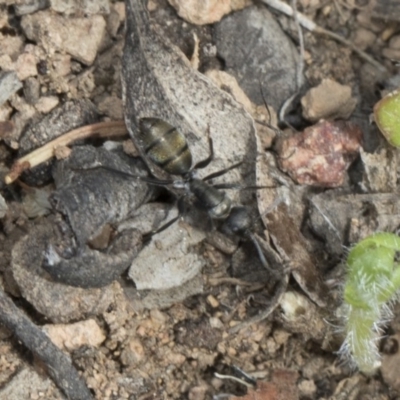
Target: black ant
x,y
167,148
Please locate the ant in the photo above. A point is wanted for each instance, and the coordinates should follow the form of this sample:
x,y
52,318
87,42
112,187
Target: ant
x,y
167,148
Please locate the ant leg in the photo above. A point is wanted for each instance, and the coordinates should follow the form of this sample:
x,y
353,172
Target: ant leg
x,y
222,171
238,186
261,255
181,211
157,182
149,235
260,252
204,163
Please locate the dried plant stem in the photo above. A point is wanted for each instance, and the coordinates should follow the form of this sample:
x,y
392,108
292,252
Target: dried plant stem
x,y
59,365
313,27
110,129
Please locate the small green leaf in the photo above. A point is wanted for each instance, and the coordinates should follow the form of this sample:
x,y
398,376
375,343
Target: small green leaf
x,y
372,283
387,117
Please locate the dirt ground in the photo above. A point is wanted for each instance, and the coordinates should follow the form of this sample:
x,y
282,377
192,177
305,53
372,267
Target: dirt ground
x,y
212,322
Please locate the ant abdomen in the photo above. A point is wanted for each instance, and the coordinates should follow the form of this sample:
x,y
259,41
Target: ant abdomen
x,y
165,146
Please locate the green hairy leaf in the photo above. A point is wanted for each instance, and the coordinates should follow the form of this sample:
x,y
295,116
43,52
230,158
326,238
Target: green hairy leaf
x,y
387,117
373,278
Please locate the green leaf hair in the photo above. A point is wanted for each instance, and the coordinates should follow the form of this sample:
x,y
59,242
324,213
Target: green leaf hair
x,y
373,278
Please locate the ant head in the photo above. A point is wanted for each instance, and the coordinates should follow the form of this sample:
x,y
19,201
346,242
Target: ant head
x,y
238,222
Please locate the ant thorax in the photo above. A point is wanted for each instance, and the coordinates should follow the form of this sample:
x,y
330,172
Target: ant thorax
x,y
215,201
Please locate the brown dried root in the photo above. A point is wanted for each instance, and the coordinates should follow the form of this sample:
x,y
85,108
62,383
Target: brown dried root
x,y
59,365
109,129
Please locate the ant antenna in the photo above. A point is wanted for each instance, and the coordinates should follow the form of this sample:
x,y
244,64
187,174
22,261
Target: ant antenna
x,y
267,124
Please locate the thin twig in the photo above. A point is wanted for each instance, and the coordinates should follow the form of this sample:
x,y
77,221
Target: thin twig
x,y
230,281
59,365
46,152
299,67
313,27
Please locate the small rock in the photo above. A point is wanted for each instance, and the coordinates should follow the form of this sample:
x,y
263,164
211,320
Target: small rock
x,y
281,336
133,353
294,305
391,54
197,333
364,18
175,358
22,117
393,51
36,202
68,116
158,318
379,170
82,85
46,103
29,7
86,7
9,84
3,207
61,153
386,11
212,301
72,336
232,352
363,38
31,90
11,45
321,154
312,368
7,130
390,361
6,64
205,359
26,66
5,112
3,20
271,347
112,107
300,315
201,12
237,5
216,323
268,58
329,100
198,392
307,388
120,9
61,64
113,23
60,303
170,261
79,37
394,42
27,384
